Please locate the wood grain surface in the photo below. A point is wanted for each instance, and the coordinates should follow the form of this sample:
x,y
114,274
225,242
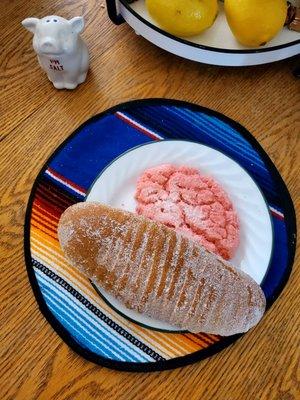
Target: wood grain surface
x,y
35,119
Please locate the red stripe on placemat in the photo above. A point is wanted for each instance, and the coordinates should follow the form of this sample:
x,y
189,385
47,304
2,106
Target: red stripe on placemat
x,y
39,207
53,196
50,206
276,213
66,181
138,126
52,186
51,202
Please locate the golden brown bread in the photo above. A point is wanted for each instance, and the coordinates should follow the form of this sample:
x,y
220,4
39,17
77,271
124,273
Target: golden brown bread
x,y
154,270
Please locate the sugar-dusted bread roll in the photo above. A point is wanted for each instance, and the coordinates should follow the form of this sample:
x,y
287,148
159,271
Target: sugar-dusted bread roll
x,y
156,271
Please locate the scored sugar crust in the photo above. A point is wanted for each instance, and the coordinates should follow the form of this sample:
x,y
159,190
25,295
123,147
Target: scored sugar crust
x,y
194,205
159,272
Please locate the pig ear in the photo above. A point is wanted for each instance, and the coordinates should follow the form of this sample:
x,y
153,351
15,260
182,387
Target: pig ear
x,y
77,24
30,24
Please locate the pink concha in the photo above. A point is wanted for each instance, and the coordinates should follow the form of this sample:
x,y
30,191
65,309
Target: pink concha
x,y
195,205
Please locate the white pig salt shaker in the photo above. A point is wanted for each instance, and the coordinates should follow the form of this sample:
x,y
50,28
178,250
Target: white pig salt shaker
x,y
61,52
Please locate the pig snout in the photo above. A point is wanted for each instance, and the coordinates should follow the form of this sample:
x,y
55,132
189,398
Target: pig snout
x,y
47,45
54,45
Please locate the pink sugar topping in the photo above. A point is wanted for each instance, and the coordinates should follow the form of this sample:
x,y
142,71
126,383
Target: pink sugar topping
x,y
195,205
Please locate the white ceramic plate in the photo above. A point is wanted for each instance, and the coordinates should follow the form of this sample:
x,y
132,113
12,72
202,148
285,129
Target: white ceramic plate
x,y
116,185
216,45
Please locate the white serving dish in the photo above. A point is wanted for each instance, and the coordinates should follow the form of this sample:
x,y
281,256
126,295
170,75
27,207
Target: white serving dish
x,y
116,186
215,46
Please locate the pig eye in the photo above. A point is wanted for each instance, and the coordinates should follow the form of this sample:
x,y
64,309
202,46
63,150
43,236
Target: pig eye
x,y
48,20
55,20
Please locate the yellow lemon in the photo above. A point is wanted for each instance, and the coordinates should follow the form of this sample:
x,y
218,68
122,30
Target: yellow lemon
x,y
183,17
255,22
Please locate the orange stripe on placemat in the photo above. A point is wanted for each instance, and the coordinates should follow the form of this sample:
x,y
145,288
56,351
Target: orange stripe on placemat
x,y
201,338
46,221
177,347
40,215
57,259
43,224
213,338
194,338
39,226
39,207
44,237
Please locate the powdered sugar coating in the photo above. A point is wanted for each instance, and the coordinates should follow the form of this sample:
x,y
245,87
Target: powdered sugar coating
x,y
159,272
192,204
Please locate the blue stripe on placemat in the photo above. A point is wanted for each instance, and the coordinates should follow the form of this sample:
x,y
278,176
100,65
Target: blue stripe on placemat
x,y
87,329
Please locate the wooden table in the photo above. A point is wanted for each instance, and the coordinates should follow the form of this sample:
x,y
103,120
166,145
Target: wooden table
x,y
35,119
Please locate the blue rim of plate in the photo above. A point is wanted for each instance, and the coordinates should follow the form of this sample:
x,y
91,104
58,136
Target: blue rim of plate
x,y
153,118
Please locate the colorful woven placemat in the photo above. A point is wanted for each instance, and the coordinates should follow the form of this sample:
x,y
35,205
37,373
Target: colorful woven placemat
x,y
67,299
